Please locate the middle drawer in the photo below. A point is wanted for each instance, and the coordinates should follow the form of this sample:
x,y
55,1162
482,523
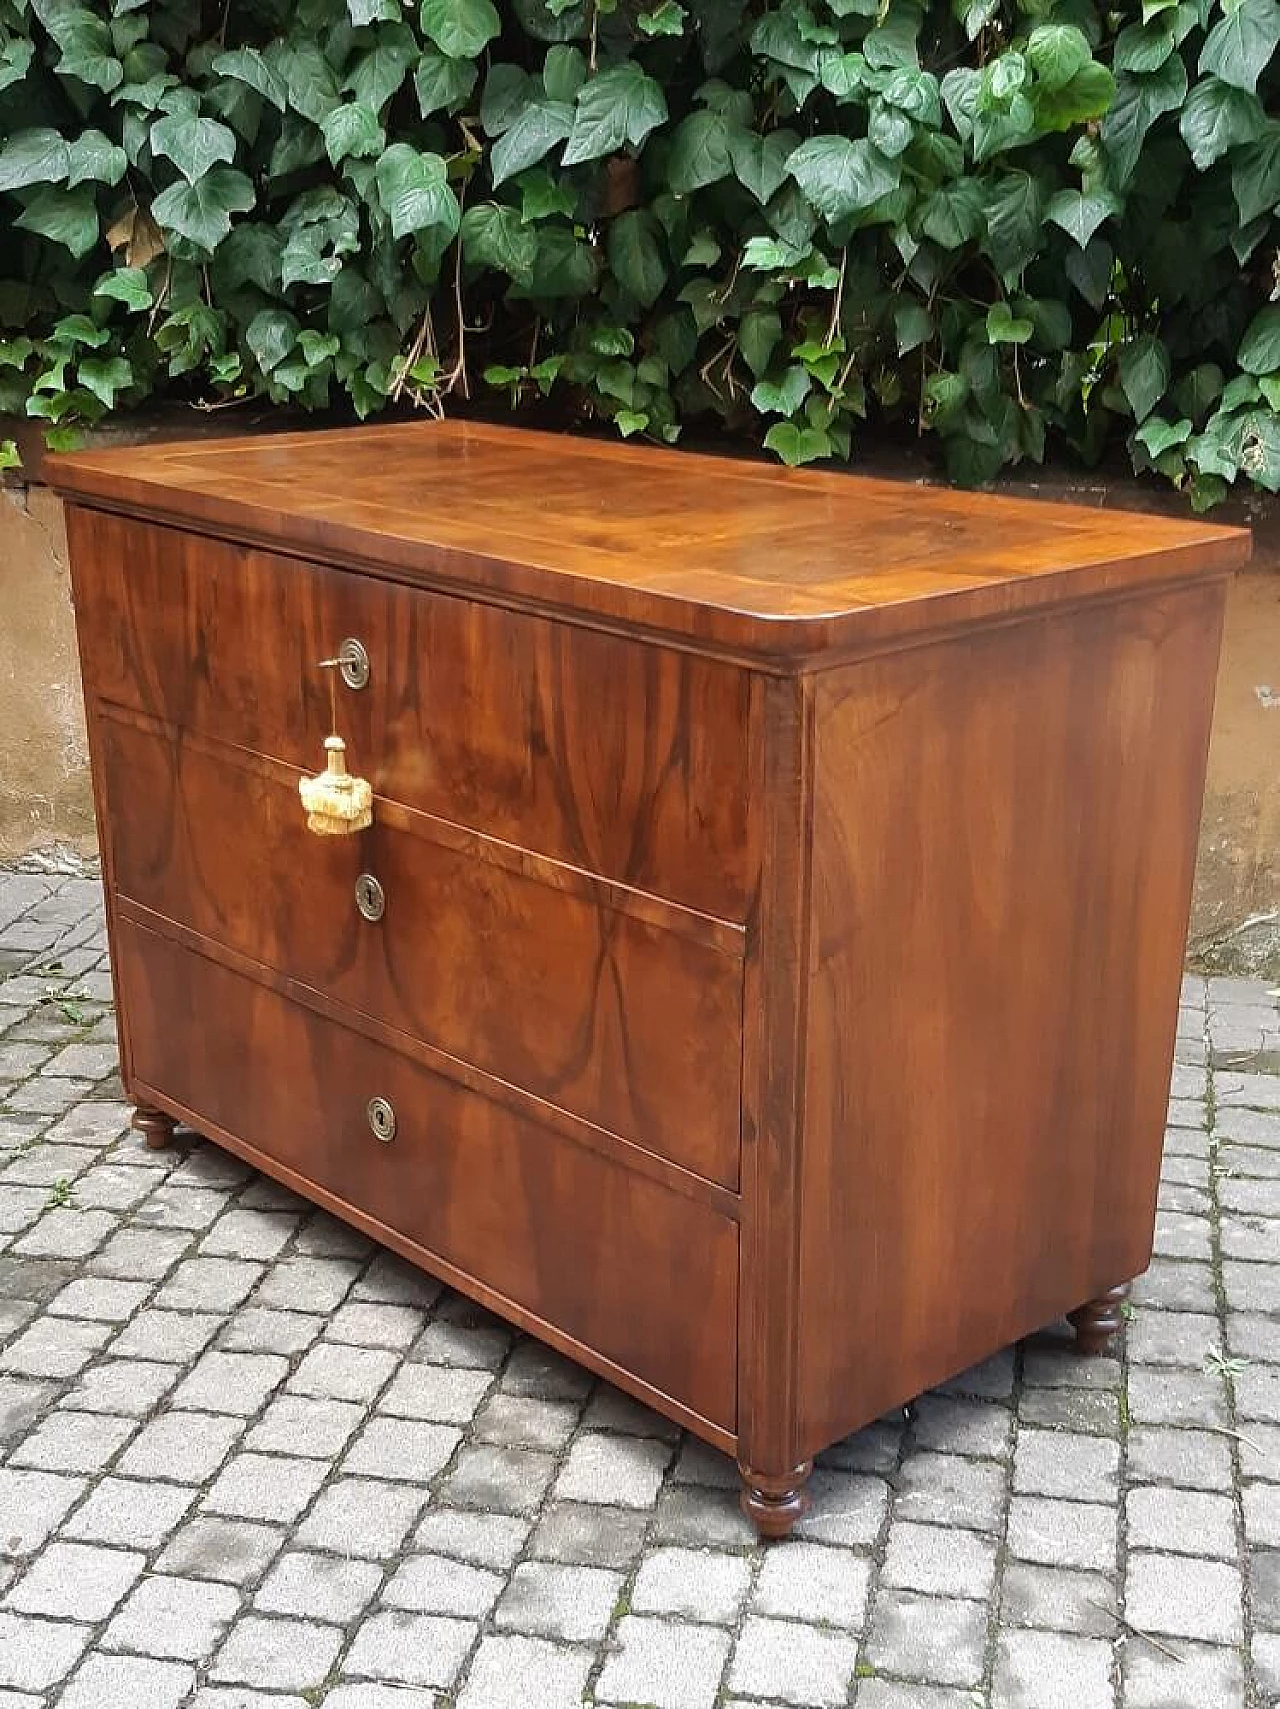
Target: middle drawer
x,y
617,1007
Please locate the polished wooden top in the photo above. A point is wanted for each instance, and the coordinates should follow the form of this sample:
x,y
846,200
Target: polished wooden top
x,y
739,556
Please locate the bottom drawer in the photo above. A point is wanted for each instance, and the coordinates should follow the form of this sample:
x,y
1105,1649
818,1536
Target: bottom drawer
x,y
631,1270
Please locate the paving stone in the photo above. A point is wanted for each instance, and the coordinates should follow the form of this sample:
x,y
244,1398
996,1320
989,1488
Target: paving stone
x,y
406,1449
701,1518
128,1682
551,1600
940,1560
1062,1533
178,1619
54,1348
1200,1676
232,1551
540,1372
504,1480
208,1284
1058,1600
343,1373
846,1509
664,1664
799,1664
946,1489
362,1516
75,1581
254,1329
1191,1458
32,1504
1173,1284
956,1426
249,1234
938,1640
1258,1393
104,1298
1264,1578
517,1421
236,1383
1261,1515
298,1424
367,1324
1260,1452
1176,1397
1079,1410
515,1673
889,1694
73,1442
392,1279
1266,1663
242,1697
186,1446
695,1584
443,1343
610,1409
436,1584
271,1487
1174,1595
128,1387
324,1236
307,1284
35,1654
1254,1336
808,1581
177,1337
445,1394
279,1655
484,1539
1055,1463
175,1205
141,1254
416,1649
325,1587
1049,1670
95,1123
130,1513
1173,1338
371,1697
22,1401
1181,1522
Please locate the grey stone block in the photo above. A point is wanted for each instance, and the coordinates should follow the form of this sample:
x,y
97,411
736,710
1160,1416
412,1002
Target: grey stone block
x,y
265,1486
141,1254
130,1513
1180,1521
693,1584
299,1424
622,1471
504,1480
1192,1459
232,1551
809,1581
32,1504
536,1370
416,1649
1262,1515
35,1654
54,1347
1173,1338
952,1425
208,1284
947,1489
517,1421
173,1336
1176,1397
400,1448
799,1664
437,1584
940,1640
75,1581
105,1298
1258,1393
112,1682
1062,1533
175,1205
445,1343
187,1446
514,1673
1058,1600
366,1323
279,1655
257,1329
343,1373
1050,1670
126,1387
846,1509
1055,1463
1201,1676
940,1560
308,1284
443,1393
484,1539
73,1442
240,1233
323,1587
362,1516
176,1619
589,1535
549,1599
237,1383
1181,1597
665,1664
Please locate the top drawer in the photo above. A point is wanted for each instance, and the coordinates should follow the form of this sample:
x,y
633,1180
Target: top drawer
x,y
623,758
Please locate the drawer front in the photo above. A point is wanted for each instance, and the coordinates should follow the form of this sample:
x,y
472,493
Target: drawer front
x,y
644,1276
620,1009
616,756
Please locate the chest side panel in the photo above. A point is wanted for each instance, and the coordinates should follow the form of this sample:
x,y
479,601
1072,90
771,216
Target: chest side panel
x,y
1004,836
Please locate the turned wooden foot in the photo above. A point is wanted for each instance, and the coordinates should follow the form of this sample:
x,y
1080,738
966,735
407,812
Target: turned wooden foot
x,y
773,1502
1098,1320
155,1127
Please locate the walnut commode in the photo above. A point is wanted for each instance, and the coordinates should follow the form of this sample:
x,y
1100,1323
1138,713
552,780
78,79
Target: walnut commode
x,y
754,967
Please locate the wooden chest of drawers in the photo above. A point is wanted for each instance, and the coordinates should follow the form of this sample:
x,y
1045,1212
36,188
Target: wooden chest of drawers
x,y
760,976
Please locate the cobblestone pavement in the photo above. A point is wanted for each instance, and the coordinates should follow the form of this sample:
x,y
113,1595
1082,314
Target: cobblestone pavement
x,y
249,1461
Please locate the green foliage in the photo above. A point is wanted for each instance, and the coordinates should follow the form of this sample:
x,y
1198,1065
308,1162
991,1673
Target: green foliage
x,y
1003,223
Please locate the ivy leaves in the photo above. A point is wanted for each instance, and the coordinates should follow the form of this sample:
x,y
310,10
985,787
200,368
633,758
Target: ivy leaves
x,y
1009,227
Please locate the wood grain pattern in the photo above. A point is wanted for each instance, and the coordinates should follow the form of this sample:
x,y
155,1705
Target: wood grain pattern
x,y
627,1022
775,563
619,758
495,1197
1004,838
787,881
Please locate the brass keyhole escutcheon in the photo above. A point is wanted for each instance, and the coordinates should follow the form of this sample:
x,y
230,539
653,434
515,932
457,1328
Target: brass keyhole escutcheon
x,y
353,663
371,899
382,1120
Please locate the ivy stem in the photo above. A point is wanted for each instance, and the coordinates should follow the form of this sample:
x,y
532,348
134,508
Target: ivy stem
x,y
834,325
